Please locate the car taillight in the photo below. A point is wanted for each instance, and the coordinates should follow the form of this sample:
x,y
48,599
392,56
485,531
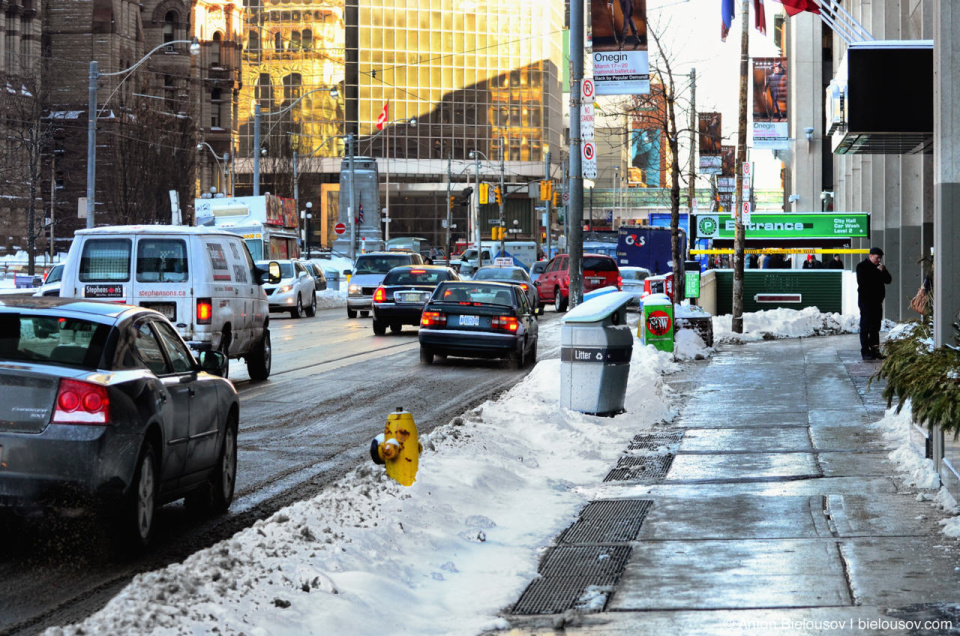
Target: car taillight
x,y
204,311
507,323
620,283
380,296
524,286
433,319
81,402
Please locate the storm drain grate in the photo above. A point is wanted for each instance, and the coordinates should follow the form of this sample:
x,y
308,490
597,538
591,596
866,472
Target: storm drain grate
x,y
612,521
566,573
647,470
656,440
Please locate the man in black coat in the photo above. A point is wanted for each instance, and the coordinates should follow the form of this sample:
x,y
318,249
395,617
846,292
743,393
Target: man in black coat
x,y
836,263
871,278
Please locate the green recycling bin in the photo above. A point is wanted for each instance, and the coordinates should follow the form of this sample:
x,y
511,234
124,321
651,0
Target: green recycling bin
x,y
657,325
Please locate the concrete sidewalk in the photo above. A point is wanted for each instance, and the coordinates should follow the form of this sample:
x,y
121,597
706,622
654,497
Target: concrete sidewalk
x,y
776,510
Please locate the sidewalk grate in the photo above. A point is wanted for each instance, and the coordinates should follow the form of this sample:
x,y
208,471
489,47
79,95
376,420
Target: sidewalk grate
x,y
646,470
656,440
565,574
613,521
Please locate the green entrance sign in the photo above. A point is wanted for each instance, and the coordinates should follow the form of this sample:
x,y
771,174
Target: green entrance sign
x,y
691,284
787,226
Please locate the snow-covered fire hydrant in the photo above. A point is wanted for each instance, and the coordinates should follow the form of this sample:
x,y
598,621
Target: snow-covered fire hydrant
x,y
398,447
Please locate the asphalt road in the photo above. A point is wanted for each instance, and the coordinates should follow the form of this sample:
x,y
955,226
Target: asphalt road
x,y
332,386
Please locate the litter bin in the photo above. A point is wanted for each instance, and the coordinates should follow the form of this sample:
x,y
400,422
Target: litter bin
x,y
656,328
595,349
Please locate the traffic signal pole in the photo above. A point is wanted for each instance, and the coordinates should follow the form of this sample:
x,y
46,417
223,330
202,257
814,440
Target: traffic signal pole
x,y
575,211
449,207
500,195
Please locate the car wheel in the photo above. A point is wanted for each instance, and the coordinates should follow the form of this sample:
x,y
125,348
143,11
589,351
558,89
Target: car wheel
x,y
396,327
533,353
224,478
379,327
312,308
351,313
258,362
559,302
297,312
364,314
135,520
426,357
516,359
225,340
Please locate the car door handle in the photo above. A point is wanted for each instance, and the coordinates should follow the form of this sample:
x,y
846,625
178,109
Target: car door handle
x,y
191,392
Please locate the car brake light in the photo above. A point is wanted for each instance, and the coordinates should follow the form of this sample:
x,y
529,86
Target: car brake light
x,y
433,319
418,271
507,323
620,283
81,402
524,286
204,311
380,296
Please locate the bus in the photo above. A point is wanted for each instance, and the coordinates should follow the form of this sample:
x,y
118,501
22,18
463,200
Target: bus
x,y
269,225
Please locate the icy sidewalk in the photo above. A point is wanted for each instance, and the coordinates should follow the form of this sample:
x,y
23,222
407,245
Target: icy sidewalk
x,y
774,503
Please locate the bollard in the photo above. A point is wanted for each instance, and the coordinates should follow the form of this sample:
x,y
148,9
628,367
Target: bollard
x,y
398,447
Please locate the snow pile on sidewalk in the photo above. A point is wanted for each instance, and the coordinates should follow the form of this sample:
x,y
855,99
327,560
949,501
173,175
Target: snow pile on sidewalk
x,y
688,345
331,298
918,471
368,556
784,323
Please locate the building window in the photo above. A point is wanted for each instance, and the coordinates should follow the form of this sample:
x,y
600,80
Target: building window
x,y
307,41
215,49
295,41
169,93
253,42
216,97
278,42
170,22
292,86
264,91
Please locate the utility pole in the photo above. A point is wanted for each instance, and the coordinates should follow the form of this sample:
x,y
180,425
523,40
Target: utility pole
x,y
692,188
449,207
296,181
476,210
575,241
256,149
92,142
739,237
350,193
53,197
566,208
546,173
503,195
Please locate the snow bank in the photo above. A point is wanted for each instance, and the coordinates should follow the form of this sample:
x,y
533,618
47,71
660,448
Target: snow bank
x,y
331,298
368,556
787,323
688,345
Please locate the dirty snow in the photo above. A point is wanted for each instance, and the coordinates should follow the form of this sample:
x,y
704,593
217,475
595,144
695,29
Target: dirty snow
x,y
688,345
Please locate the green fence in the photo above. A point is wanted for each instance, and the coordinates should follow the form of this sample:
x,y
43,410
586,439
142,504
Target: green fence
x,y
773,288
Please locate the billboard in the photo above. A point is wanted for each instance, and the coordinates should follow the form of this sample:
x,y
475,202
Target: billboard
x,y
709,126
728,163
645,154
770,127
620,62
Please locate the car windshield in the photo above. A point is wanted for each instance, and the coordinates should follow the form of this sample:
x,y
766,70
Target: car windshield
x,y
415,276
599,264
51,339
499,273
286,269
486,294
55,275
634,274
379,264
538,267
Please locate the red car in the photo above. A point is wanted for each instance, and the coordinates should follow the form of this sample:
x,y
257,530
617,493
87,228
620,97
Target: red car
x,y
554,283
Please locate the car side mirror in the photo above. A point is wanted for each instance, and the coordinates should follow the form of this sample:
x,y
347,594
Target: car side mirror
x,y
347,272
271,275
536,283
213,362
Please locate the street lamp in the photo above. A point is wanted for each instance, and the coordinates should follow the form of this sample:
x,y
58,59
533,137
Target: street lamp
x,y
306,228
93,114
257,151
222,166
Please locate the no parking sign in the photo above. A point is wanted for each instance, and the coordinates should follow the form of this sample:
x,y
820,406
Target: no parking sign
x,y
589,160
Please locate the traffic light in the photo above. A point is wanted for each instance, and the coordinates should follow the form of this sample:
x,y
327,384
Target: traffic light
x,y
499,233
484,193
496,192
453,201
557,198
546,189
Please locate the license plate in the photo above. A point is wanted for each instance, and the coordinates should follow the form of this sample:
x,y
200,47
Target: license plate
x,y
413,298
469,321
594,280
167,309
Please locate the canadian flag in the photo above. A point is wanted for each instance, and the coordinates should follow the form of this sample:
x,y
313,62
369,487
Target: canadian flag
x,y
382,119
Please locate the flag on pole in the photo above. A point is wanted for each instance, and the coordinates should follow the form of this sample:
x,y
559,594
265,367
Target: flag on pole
x,y
726,14
760,17
793,7
382,119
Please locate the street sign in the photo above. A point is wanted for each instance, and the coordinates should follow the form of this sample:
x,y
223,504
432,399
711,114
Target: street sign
x,y
339,228
566,197
82,207
587,117
589,152
587,90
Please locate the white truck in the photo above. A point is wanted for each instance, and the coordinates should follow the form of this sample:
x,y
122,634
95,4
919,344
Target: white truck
x,y
523,253
268,224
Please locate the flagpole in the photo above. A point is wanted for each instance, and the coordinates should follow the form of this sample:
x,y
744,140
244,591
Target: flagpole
x,y
739,237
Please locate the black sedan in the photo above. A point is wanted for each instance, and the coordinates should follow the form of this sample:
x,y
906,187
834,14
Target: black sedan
x,y
400,297
515,276
478,319
104,406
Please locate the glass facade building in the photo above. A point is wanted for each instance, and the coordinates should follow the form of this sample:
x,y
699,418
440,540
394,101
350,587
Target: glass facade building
x,y
475,74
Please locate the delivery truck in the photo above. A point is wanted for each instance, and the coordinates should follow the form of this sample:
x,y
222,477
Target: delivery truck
x,y
648,247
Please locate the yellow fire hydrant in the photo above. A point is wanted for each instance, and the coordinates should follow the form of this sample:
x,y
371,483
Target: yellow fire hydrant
x,y
398,447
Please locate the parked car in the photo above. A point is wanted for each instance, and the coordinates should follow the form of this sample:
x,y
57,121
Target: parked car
x,y
104,406
202,279
368,273
296,291
633,278
514,276
51,284
537,268
479,319
400,298
319,277
598,271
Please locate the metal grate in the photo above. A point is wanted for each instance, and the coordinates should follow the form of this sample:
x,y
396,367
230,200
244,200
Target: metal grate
x,y
656,440
566,572
647,470
608,522
555,595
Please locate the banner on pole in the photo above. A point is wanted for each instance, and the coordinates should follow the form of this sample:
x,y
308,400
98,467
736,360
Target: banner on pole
x,y
709,127
770,125
621,65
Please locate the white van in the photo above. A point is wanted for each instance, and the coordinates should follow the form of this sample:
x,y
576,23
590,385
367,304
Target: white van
x,y
202,279
524,254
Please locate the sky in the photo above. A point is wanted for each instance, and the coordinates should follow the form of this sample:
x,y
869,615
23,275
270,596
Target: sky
x,y
446,555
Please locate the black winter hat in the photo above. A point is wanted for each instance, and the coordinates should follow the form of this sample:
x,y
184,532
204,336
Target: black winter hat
x,y
876,250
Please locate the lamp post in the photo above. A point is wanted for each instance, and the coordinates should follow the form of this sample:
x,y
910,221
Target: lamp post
x,y
475,155
306,228
256,130
222,166
93,114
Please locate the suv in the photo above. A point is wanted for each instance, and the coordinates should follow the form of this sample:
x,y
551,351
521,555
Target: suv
x,y
368,273
296,291
51,284
202,279
554,284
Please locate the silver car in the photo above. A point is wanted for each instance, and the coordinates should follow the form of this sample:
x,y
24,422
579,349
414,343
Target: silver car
x,y
633,278
515,276
103,405
368,273
296,292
